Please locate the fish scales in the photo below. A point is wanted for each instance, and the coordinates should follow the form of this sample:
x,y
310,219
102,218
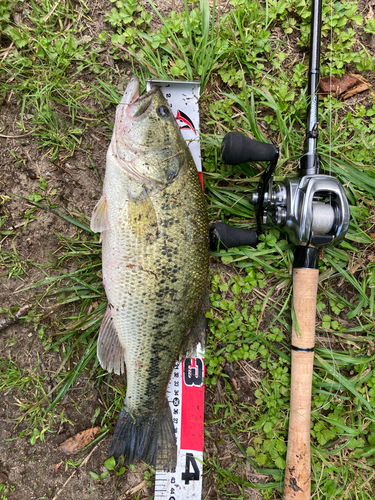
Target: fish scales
x,y
149,284
153,220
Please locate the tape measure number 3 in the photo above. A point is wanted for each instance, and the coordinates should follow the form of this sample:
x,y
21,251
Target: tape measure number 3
x,y
185,395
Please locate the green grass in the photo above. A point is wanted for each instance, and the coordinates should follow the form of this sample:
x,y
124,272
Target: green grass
x,y
252,82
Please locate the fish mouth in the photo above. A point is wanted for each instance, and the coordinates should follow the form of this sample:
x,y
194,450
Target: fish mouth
x,y
132,105
131,108
131,93
141,105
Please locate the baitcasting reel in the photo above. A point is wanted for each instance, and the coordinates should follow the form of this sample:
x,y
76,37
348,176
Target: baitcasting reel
x,y
313,207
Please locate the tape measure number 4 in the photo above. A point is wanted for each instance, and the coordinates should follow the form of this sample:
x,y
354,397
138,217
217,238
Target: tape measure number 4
x,y
185,395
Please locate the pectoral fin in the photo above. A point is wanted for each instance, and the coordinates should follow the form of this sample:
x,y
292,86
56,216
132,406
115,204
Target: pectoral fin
x,y
99,218
110,352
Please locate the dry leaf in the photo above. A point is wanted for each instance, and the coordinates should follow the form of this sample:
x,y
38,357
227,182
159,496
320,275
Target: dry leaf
x,y
370,14
92,307
345,87
361,87
355,268
79,441
336,86
137,488
57,467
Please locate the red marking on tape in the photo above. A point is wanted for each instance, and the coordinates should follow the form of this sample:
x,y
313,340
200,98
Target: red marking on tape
x,y
192,405
201,178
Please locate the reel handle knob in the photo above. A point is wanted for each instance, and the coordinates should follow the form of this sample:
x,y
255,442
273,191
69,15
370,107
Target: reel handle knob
x,y
225,236
236,148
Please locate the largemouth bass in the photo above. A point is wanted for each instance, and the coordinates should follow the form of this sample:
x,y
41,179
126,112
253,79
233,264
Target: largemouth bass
x,y
153,222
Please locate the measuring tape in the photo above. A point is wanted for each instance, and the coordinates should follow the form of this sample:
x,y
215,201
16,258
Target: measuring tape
x,y
185,394
185,391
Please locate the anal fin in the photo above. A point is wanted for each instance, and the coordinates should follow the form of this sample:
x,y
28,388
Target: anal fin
x,y
110,352
197,331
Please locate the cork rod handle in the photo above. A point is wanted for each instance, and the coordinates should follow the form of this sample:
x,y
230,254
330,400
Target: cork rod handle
x,y
297,484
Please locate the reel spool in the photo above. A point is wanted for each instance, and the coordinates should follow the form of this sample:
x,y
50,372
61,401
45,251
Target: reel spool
x,y
314,209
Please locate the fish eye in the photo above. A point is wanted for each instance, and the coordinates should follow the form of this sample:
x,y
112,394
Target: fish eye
x,y
163,111
170,174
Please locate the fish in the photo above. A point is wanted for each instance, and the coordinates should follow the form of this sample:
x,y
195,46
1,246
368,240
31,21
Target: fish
x,y
153,222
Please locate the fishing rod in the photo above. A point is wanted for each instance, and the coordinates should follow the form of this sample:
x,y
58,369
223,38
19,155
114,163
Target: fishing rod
x,y
314,210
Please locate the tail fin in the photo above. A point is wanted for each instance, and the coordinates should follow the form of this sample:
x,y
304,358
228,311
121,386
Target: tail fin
x,y
150,439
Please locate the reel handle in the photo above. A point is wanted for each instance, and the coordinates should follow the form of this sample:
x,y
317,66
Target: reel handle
x,y
237,148
225,236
